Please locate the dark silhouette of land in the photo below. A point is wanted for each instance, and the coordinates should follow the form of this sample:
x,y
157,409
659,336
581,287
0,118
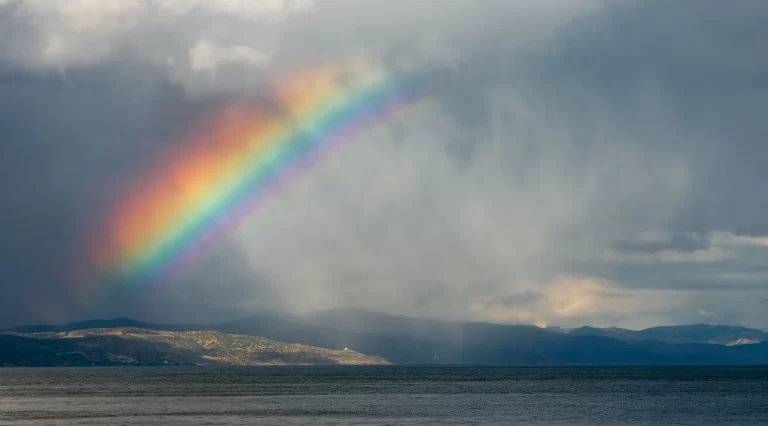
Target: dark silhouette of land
x,y
396,339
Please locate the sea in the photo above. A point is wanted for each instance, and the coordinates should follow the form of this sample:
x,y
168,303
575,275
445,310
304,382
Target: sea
x,y
390,395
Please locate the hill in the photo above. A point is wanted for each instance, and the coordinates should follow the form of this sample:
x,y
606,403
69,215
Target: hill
x,y
417,341
406,340
698,333
137,346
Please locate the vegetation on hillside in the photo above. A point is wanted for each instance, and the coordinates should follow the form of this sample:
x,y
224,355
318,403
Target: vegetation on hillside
x,y
135,346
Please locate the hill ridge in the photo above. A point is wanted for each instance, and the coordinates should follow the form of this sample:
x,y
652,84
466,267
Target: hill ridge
x,y
409,340
139,346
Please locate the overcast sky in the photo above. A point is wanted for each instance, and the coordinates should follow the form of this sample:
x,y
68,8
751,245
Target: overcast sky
x,y
586,162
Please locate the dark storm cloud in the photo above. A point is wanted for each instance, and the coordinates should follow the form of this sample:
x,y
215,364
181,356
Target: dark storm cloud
x,y
71,145
716,277
687,77
568,132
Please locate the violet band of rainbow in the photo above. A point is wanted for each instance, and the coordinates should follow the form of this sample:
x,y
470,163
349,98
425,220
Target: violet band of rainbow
x,y
279,154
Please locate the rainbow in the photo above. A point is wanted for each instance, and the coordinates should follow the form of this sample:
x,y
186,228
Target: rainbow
x,y
246,156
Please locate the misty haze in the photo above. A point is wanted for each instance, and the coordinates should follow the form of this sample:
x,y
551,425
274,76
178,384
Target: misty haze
x,y
413,200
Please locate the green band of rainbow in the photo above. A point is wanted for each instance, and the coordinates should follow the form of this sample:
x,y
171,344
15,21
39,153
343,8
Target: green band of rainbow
x,y
275,158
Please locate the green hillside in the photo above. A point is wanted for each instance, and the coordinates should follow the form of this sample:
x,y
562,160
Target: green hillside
x,y
136,346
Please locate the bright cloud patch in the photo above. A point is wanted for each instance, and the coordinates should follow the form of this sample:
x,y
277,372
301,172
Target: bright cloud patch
x,y
574,300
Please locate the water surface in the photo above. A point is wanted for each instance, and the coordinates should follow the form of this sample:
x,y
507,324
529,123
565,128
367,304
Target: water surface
x,y
385,395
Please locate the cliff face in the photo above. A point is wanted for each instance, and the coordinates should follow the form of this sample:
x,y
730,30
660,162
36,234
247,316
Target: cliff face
x,y
134,346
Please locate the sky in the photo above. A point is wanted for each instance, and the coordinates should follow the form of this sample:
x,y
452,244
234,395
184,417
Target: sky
x,y
584,162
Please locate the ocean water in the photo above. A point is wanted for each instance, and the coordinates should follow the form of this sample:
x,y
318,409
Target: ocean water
x,y
385,396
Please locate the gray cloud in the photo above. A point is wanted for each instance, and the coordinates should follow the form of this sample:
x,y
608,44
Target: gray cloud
x,y
678,241
69,149
588,162
521,298
686,83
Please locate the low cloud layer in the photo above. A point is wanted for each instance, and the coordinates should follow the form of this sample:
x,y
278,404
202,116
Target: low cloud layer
x,y
586,162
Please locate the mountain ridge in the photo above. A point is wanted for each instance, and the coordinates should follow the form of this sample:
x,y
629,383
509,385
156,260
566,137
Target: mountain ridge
x,y
408,340
719,334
